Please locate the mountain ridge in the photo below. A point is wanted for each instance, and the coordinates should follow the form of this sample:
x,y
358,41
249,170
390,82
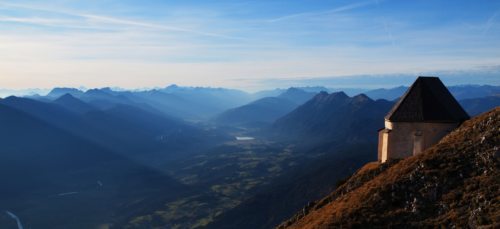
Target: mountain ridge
x,y
265,111
334,116
70,102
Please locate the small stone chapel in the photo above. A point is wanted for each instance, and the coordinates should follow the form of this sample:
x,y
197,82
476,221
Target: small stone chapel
x,y
422,116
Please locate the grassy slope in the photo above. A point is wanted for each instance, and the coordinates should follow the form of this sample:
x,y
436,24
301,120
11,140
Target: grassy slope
x,y
454,183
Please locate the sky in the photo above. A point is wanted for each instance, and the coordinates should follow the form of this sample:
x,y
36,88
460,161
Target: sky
x,y
248,45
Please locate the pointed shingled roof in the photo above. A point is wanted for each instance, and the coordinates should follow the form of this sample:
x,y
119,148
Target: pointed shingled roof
x,y
427,100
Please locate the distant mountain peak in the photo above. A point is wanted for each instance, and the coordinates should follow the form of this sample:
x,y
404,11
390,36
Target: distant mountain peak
x,y
59,91
323,93
335,96
106,89
297,95
361,97
69,102
16,99
339,94
327,115
65,89
294,89
96,91
66,97
315,89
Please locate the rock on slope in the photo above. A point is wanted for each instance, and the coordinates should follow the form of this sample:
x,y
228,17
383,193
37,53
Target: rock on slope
x,y
453,184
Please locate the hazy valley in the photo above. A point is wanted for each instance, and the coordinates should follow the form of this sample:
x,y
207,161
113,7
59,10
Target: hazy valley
x,y
183,157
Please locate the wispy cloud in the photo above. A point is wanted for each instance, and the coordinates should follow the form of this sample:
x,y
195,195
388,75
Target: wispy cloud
x,y
31,20
97,19
326,12
115,20
133,44
490,22
49,22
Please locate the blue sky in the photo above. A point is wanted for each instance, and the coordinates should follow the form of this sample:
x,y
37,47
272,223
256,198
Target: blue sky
x,y
245,44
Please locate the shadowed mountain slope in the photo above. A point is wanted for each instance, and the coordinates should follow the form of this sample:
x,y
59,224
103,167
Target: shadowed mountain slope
x,y
122,128
266,110
452,184
54,179
334,117
73,104
262,111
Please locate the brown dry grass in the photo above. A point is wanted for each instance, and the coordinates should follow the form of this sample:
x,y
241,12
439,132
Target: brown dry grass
x,y
454,183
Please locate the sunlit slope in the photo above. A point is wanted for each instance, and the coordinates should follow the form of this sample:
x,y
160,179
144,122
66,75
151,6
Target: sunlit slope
x,y
453,184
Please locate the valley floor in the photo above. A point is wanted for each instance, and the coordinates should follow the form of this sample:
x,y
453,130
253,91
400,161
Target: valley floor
x,y
222,177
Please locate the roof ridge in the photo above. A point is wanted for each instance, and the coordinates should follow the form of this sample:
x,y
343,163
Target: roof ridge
x,y
401,99
427,100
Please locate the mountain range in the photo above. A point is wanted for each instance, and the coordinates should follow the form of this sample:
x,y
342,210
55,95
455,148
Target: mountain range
x,y
123,128
460,92
197,104
115,158
477,106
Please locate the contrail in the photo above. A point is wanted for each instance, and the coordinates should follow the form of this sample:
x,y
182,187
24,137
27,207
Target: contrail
x,y
334,10
67,193
489,23
19,225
